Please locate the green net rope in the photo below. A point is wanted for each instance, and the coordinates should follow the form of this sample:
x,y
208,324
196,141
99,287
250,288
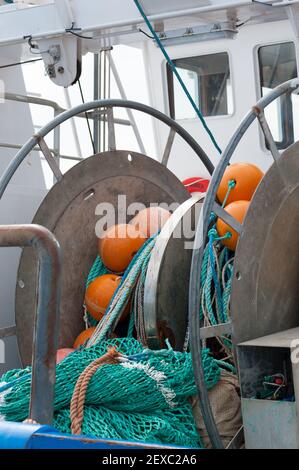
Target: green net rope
x,y
144,398
123,293
98,269
162,426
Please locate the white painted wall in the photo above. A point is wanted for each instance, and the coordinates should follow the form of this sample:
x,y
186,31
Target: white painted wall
x,y
244,74
24,194
143,72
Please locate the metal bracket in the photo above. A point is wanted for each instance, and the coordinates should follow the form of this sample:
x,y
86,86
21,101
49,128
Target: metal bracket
x,y
49,157
8,331
111,130
227,218
216,330
267,133
168,146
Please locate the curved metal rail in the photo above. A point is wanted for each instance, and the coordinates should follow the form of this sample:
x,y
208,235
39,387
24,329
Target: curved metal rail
x,y
38,138
47,313
210,205
43,358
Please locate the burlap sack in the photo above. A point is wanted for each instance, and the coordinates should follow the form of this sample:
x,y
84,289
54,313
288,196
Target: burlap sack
x,y
226,406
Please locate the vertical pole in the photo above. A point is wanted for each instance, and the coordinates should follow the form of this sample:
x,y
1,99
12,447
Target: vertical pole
x,y
73,124
124,97
46,323
97,96
56,145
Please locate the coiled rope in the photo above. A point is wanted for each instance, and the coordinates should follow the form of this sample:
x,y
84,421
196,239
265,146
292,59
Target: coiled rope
x,y
118,303
78,398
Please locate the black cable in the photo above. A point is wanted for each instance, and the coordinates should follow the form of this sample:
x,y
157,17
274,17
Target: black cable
x,y
19,63
73,30
34,46
146,34
239,25
263,3
78,35
87,120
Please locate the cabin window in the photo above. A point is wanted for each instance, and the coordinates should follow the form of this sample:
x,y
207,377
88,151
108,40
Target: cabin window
x,y
277,64
208,80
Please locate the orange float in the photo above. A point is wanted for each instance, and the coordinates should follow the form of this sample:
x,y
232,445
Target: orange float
x,y
246,176
63,353
99,293
118,245
236,209
150,220
83,337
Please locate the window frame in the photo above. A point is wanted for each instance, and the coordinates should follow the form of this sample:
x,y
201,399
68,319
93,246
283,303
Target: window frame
x,y
168,72
286,100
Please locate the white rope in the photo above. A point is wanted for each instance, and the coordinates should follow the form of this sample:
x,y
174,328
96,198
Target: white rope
x,y
158,376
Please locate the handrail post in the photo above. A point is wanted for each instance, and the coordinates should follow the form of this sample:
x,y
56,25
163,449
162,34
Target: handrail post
x,y
46,323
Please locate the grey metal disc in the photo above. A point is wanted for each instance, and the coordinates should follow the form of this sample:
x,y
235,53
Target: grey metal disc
x,y
69,212
265,289
167,280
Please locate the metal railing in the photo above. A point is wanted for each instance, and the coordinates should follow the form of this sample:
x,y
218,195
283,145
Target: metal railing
x,y
96,114
47,313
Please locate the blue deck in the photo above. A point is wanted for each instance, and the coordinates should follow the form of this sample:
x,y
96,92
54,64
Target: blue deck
x,y
35,436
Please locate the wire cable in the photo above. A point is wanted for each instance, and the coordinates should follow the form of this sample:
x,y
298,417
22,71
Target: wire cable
x,y
175,72
19,63
87,120
74,30
146,34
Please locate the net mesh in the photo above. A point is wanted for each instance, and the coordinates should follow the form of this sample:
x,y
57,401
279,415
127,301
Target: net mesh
x,y
144,397
160,426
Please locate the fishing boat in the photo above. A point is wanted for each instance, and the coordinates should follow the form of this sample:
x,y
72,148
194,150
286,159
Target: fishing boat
x,y
149,211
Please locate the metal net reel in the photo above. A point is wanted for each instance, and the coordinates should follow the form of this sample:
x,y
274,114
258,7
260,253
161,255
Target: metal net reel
x,y
261,267
69,208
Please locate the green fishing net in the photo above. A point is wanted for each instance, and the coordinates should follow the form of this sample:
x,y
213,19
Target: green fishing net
x,y
159,426
143,398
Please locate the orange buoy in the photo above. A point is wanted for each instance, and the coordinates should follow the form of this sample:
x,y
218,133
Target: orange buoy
x,y
118,245
83,337
99,293
63,353
236,209
150,220
246,177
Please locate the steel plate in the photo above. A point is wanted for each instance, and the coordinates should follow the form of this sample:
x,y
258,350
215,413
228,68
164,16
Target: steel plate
x,y
167,280
265,289
69,212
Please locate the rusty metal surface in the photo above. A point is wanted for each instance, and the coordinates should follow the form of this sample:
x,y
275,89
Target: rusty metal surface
x,y
69,212
265,293
44,335
167,280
